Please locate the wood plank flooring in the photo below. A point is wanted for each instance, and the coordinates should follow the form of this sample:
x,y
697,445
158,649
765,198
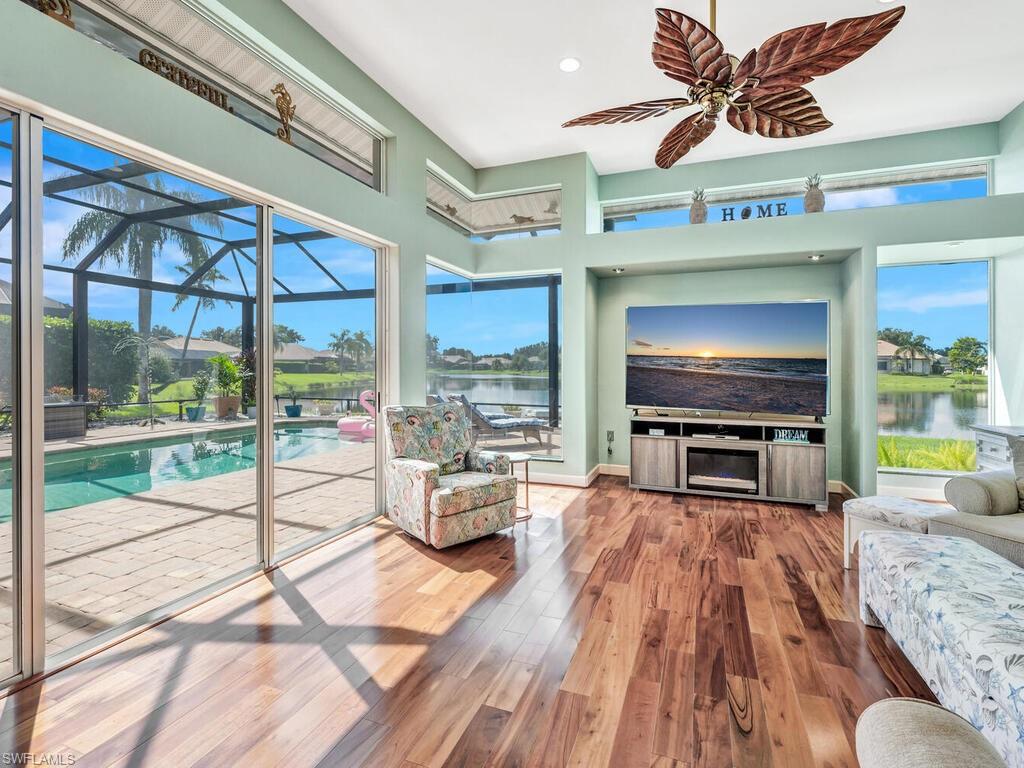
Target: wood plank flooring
x,y
618,628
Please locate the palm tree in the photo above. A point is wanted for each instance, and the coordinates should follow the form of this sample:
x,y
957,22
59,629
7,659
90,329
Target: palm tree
x,y
146,347
141,242
202,302
361,347
341,345
916,347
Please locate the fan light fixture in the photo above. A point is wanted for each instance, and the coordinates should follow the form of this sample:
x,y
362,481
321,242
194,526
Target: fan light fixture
x,y
569,64
761,93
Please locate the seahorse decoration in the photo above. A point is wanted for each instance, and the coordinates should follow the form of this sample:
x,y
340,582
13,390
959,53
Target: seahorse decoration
x,y
286,110
57,9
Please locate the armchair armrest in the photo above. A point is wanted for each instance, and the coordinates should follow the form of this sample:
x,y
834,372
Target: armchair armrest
x,y
408,486
984,493
492,462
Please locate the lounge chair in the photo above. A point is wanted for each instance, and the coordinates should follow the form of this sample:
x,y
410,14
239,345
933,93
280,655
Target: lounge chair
x,y
500,424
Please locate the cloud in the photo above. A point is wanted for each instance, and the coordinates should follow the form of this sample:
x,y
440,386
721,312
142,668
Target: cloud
x,y
861,198
641,343
928,301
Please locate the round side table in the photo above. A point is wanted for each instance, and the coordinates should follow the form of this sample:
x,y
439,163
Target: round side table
x,y
523,513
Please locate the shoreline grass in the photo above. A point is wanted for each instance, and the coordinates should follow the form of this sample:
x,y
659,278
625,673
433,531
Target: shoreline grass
x,y
906,382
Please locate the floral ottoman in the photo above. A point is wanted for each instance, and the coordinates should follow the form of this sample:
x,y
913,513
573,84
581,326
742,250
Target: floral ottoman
x,y
957,612
885,513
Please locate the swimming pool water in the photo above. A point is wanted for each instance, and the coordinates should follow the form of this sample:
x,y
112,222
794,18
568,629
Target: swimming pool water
x,y
87,475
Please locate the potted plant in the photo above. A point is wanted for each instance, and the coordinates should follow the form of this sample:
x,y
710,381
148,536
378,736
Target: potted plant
x,y
295,409
699,207
246,361
228,383
814,198
200,386
324,407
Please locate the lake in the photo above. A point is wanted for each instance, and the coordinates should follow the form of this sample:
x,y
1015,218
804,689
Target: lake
x,y
947,415
485,388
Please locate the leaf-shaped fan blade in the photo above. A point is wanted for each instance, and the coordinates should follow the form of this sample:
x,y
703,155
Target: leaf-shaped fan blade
x,y
684,137
687,51
797,56
630,113
778,115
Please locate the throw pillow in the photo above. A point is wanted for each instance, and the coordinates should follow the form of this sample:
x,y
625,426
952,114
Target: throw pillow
x,y
1017,448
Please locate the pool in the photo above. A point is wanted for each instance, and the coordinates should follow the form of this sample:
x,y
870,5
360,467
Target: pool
x,y
87,475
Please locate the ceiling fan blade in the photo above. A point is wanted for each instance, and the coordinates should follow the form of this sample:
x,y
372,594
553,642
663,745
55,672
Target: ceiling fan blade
x,y
797,56
630,113
684,137
687,51
778,115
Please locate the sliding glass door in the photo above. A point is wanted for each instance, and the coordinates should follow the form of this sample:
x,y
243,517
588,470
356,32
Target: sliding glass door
x,y
8,302
150,469
188,390
325,383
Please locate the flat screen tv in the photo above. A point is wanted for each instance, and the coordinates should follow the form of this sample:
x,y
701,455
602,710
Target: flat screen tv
x,y
760,358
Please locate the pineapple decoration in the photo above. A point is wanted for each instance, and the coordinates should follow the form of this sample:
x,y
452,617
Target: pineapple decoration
x,y
814,198
698,207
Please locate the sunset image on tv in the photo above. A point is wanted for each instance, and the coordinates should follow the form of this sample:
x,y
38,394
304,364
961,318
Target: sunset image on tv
x,y
760,358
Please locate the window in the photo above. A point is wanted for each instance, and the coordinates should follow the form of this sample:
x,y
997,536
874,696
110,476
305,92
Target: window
x,y
501,217
932,358
495,344
778,200
325,383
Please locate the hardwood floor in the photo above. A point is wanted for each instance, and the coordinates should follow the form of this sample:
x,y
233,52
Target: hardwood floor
x,y
618,628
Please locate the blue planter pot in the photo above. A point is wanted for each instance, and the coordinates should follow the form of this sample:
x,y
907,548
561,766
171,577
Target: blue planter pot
x,y
293,411
195,412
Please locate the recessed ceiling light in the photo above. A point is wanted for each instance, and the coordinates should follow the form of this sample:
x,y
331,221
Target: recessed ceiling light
x,y
886,2
569,64
816,256
618,270
954,243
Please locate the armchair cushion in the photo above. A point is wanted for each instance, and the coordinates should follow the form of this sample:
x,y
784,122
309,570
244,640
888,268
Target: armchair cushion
x,y
441,434
489,461
1017,449
463,491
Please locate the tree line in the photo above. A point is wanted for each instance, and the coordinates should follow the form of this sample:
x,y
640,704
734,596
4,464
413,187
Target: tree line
x,y
966,355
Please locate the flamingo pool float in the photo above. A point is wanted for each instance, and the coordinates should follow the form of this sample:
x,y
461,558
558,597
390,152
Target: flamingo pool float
x,y
361,428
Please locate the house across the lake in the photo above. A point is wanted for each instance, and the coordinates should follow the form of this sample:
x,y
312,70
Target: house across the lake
x,y
906,362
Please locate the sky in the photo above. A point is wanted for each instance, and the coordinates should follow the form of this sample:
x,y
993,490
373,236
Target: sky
x,y
778,330
940,301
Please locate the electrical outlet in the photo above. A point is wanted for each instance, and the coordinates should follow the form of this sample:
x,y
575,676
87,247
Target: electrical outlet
x,y
611,435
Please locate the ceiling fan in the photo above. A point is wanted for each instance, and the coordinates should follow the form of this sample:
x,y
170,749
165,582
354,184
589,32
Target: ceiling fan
x,y
761,93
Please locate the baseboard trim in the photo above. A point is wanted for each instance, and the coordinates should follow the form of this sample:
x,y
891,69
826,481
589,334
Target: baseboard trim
x,y
838,486
617,470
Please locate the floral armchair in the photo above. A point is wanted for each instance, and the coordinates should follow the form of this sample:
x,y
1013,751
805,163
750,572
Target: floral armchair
x,y
438,488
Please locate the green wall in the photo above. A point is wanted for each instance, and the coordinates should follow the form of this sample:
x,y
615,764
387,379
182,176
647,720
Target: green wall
x,y
813,281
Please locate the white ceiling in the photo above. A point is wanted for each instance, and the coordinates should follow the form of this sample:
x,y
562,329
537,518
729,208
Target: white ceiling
x,y
484,76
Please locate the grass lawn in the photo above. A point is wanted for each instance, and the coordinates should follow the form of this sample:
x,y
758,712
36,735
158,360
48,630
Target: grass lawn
x,y
926,453
485,372
902,382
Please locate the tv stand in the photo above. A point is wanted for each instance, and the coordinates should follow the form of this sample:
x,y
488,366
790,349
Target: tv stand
x,y
782,460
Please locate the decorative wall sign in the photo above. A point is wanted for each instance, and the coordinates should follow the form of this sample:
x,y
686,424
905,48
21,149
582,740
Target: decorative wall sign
x,y
761,93
286,110
57,9
154,62
792,436
762,211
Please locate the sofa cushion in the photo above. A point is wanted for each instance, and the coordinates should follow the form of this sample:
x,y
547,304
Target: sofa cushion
x,y
896,511
951,601
463,491
441,434
1017,449
984,493
1003,534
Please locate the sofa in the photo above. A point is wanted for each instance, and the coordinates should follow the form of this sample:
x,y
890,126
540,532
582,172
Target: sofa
x,y
985,509
956,610
438,488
